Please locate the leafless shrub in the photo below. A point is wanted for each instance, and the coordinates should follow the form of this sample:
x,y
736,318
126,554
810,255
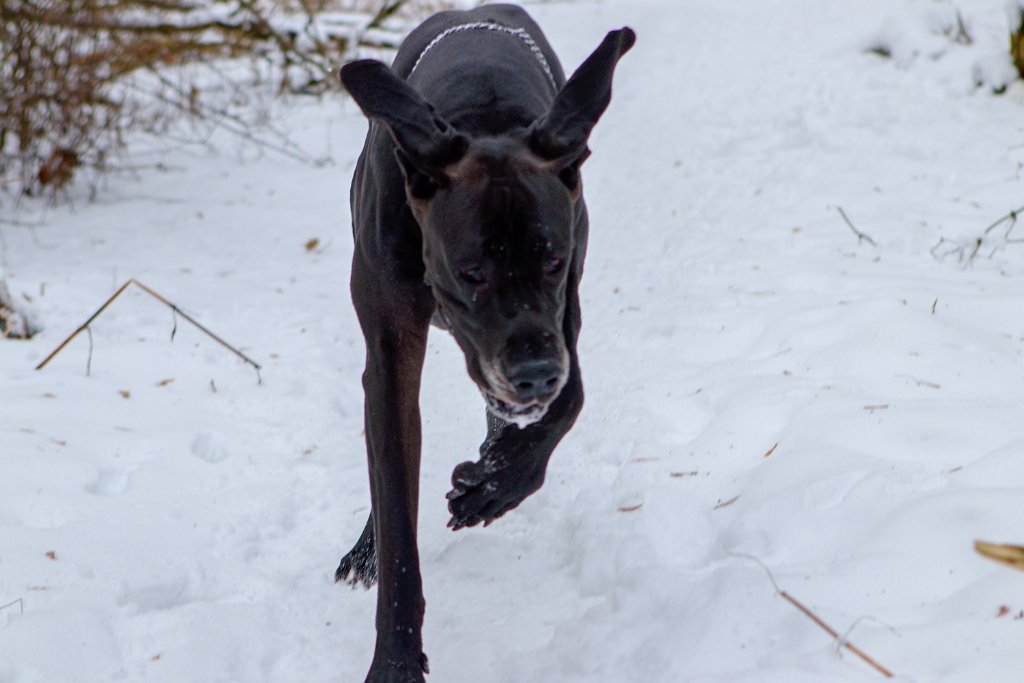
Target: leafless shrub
x,y
76,76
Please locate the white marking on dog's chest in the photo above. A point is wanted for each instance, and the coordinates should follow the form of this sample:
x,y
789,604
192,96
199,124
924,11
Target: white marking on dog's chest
x,y
491,26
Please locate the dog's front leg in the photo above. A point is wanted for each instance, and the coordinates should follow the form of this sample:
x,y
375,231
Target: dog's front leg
x,y
514,461
395,325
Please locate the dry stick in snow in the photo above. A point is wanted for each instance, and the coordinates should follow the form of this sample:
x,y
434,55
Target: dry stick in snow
x,y
174,309
840,640
84,325
861,237
19,602
979,241
1012,218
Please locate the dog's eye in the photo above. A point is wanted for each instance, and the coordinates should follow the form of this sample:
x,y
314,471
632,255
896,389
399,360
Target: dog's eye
x,y
553,266
474,275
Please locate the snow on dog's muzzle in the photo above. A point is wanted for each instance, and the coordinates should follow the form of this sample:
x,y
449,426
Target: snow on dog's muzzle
x,y
520,416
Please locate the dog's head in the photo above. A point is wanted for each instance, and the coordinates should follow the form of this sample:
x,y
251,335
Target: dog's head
x,y
498,216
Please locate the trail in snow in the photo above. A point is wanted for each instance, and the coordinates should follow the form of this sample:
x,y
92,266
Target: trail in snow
x,y
729,312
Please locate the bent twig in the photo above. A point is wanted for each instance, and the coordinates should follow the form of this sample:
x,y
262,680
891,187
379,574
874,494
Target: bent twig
x,y
174,308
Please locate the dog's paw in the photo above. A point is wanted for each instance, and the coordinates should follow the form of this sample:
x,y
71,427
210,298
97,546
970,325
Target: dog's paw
x,y
484,491
395,671
358,567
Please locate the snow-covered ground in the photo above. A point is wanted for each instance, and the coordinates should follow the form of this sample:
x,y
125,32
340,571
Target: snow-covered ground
x,y
759,383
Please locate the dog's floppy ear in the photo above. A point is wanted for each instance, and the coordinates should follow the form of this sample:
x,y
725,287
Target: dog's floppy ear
x,y
560,137
426,142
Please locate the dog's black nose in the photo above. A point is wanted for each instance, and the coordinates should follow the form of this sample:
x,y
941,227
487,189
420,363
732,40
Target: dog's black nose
x,y
535,380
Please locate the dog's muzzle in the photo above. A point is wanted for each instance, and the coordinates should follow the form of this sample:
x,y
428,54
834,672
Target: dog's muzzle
x,y
530,392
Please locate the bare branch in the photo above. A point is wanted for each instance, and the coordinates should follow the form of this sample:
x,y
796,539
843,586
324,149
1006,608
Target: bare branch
x,y
387,9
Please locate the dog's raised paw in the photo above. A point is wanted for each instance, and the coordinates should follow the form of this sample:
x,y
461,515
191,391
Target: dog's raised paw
x,y
484,491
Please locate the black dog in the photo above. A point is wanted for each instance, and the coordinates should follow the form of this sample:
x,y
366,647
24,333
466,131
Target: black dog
x,y
467,211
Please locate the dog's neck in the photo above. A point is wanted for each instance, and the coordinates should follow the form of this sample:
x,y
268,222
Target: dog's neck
x,y
491,26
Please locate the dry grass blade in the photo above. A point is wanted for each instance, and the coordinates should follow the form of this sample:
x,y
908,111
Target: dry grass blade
x,y
727,503
840,640
1010,555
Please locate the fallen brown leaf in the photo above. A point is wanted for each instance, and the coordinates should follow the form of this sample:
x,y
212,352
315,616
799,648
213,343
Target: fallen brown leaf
x,y
1003,611
52,554
164,382
312,244
631,508
771,450
125,393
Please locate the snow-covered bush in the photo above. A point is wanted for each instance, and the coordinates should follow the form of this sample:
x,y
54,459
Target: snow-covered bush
x,y
13,324
968,40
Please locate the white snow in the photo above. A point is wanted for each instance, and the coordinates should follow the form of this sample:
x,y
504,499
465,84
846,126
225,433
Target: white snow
x,y
189,530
